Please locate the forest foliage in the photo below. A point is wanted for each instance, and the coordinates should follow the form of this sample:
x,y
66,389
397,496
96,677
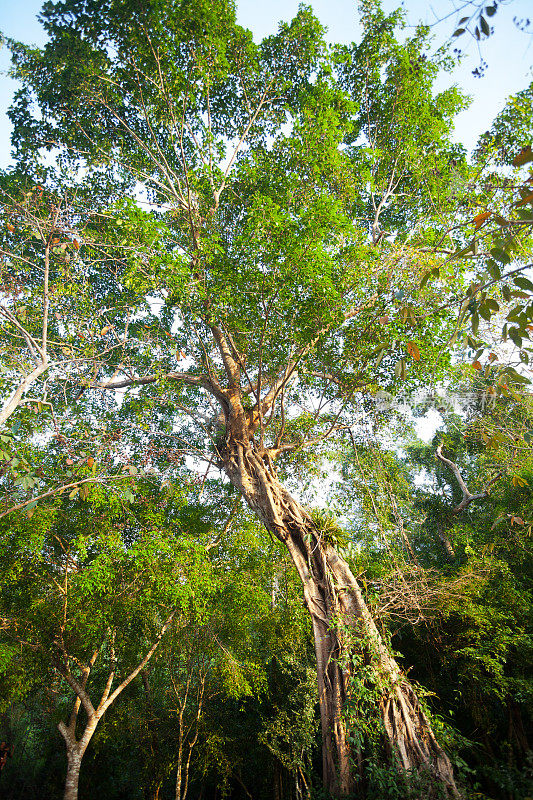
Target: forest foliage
x,y
234,276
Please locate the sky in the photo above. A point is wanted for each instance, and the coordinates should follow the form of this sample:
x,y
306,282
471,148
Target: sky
x,y
509,52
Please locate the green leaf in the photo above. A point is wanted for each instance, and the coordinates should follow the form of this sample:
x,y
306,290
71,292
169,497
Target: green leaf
x,y
484,311
515,312
500,255
523,283
425,278
470,248
493,270
380,356
399,369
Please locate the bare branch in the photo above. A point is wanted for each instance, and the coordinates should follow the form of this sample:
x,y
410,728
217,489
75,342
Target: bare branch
x,y
30,341
468,497
11,405
182,377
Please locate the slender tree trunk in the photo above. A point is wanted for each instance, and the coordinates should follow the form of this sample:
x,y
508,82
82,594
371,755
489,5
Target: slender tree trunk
x,y
75,752
516,731
152,791
180,759
73,774
341,621
277,781
77,747
178,779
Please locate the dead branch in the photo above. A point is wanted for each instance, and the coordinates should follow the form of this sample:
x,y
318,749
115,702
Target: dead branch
x,y
468,497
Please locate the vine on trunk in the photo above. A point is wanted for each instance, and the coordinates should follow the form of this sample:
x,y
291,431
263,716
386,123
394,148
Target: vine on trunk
x,y
344,632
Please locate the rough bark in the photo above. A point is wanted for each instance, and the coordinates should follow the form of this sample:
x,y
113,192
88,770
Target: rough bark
x,y
336,603
73,776
516,731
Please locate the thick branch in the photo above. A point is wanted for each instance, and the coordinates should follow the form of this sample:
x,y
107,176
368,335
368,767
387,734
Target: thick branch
x,y
80,692
230,363
181,377
77,702
468,497
11,405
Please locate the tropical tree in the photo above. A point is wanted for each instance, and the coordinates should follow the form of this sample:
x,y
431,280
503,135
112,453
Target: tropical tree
x,y
262,218
88,591
230,703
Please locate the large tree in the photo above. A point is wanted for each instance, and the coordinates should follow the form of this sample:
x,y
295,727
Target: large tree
x,y
257,219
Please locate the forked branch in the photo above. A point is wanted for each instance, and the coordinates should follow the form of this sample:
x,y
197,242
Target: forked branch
x,y
468,497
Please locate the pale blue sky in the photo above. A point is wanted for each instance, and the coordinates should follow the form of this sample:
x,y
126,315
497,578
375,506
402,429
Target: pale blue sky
x,y
509,52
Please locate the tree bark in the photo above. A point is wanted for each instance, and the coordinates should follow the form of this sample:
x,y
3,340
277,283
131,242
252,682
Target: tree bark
x,y
341,622
446,543
180,759
75,752
73,775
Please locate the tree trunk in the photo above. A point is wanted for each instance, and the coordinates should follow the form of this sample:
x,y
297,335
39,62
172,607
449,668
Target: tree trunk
x,y
277,781
178,777
446,543
342,623
73,774
75,750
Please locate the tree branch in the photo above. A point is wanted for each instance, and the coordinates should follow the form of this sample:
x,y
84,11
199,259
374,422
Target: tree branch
x,y
103,707
468,497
